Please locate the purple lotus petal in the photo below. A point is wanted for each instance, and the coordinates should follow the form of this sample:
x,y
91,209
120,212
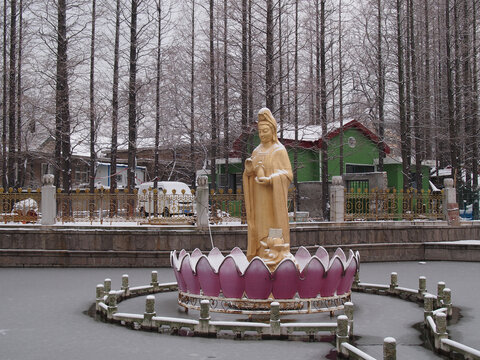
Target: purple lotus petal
x,y
196,254
215,257
302,256
333,277
240,258
339,252
231,281
310,280
285,280
322,254
207,277
258,280
347,279
191,281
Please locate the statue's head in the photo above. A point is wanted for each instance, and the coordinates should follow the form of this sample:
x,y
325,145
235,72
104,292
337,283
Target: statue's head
x,y
265,118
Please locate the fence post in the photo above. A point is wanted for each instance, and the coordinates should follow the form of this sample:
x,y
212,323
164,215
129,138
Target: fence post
x,y
275,318
125,286
450,208
427,306
447,301
149,311
48,204
99,296
422,286
337,200
441,333
389,348
348,308
202,202
440,288
204,320
342,333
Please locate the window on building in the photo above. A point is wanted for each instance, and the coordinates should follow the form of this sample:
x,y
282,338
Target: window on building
x,y
81,174
356,169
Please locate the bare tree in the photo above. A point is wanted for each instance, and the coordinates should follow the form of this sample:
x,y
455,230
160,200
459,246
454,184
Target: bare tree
x,y
132,98
213,112
93,154
114,144
12,95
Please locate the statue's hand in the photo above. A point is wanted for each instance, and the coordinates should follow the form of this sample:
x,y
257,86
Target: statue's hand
x,y
263,180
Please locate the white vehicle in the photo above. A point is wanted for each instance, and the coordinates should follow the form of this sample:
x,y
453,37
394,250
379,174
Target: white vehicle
x,y
173,198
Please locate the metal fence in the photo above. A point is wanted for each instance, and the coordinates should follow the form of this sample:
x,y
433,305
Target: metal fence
x,y
20,205
392,205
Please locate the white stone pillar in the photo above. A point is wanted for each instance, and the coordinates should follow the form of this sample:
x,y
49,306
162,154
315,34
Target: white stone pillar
x,y
202,202
450,206
337,200
48,203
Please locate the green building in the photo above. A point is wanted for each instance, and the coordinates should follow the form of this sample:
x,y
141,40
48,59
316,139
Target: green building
x,y
361,148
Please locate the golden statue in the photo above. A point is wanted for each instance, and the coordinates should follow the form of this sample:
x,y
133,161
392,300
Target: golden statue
x,y
267,176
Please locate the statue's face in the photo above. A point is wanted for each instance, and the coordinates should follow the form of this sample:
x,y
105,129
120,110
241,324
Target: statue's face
x,y
265,133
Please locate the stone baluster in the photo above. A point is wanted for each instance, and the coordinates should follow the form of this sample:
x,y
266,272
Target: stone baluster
x,y
389,348
125,286
149,311
422,286
154,281
348,308
447,301
99,296
275,318
342,333
204,320
441,333
111,304
428,306
393,281
451,211
107,283
440,288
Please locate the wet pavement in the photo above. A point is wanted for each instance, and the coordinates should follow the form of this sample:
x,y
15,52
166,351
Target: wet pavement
x,y
43,315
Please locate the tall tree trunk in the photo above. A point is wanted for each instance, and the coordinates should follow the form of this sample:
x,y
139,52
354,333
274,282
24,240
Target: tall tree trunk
x,y
323,105
280,67
132,99
12,95
62,99
381,86
295,105
467,96
340,84
225,92
475,110
452,128
157,94
93,154
427,120
404,128
251,119
416,110
113,153
20,161
269,63
245,75
192,99
213,113
4,99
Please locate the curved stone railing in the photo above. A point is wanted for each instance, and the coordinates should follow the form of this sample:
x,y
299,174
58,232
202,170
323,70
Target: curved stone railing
x,y
301,284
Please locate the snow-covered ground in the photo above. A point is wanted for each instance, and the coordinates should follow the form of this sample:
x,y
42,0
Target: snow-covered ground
x,y
42,316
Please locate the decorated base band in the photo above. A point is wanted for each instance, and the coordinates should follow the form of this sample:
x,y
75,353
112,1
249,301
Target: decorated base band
x,y
245,306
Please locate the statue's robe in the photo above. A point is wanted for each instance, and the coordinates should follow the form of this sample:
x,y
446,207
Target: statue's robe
x,y
266,205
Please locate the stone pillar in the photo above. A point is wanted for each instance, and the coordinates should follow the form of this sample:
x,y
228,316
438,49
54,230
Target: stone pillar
x,y
125,286
154,281
111,304
348,308
428,306
389,348
450,206
48,205
422,286
202,202
342,333
447,301
337,200
441,324
107,283
99,296
149,311
204,320
393,281
275,318
440,288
